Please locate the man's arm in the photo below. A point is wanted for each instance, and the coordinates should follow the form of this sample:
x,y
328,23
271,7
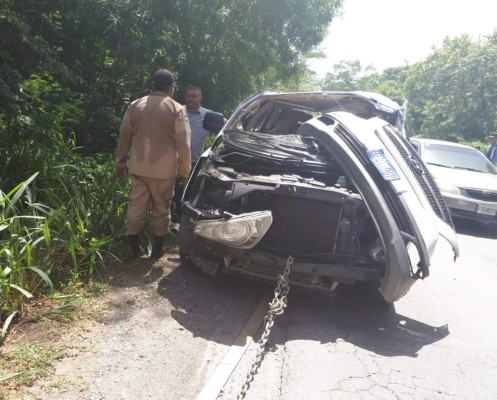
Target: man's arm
x,y
123,145
182,136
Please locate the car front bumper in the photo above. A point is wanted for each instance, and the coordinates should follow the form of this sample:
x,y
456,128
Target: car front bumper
x,y
470,209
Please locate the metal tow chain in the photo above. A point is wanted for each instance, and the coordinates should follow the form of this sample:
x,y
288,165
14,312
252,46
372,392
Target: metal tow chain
x,y
276,307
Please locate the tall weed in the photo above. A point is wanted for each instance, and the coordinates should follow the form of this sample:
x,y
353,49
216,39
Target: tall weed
x,y
90,212
22,238
63,225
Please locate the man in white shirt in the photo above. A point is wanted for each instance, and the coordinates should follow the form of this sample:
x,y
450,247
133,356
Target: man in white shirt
x,y
196,114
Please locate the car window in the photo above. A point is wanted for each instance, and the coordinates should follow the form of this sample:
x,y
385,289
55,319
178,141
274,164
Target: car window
x,y
457,157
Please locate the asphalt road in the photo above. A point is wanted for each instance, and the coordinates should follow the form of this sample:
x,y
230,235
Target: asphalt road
x,y
438,342
168,329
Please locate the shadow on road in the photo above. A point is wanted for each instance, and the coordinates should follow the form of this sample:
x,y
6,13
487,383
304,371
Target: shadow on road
x,y
215,308
218,308
475,229
381,331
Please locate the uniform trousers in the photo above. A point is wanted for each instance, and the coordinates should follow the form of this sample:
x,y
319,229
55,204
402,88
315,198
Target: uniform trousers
x,y
144,192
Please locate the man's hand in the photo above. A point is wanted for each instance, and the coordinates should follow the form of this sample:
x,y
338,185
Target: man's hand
x,y
183,180
121,170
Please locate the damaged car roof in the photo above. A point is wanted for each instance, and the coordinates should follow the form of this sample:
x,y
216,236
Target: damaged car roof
x,y
362,104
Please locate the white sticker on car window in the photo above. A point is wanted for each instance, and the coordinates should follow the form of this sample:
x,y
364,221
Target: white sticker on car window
x,y
383,164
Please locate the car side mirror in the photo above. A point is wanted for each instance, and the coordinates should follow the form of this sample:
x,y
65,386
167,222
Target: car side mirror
x,y
213,122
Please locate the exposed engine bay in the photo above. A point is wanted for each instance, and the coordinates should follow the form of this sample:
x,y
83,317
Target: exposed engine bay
x,y
318,215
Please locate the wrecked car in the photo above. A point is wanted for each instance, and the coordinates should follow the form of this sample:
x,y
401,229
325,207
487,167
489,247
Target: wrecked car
x,y
327,178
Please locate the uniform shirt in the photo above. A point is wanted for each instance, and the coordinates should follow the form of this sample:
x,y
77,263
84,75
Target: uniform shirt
x,y
198,133
491,153
155,128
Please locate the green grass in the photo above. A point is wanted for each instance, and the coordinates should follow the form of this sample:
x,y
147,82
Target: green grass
x,y
28,361
55,316
57,231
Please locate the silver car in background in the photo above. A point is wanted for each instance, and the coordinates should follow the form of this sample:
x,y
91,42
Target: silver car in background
x,y
467,180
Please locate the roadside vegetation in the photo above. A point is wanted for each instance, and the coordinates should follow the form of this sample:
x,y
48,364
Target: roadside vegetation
x,y
69,69
58,231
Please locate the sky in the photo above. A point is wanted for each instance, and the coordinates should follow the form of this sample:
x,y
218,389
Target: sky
x,y
391,33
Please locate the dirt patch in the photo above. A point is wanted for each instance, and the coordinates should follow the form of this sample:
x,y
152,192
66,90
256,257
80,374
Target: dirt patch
x,y
70,327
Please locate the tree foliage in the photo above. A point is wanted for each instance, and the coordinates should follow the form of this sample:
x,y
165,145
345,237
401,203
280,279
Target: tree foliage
x,y
452,94
102,53
346,75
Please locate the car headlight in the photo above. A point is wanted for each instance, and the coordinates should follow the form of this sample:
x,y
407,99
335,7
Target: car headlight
x,y
243,231
446,186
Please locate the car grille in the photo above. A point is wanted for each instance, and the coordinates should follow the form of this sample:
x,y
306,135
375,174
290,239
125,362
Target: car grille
x,y
485,195
389,194
423,176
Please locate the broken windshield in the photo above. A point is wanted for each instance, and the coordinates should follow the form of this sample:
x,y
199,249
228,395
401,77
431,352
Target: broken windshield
x,y
280,146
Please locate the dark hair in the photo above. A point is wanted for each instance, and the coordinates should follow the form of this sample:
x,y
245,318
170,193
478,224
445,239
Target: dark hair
x,y
162,80
194,87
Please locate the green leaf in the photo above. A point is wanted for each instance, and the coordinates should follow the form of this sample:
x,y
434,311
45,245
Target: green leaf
x,y
20,189
6,325
4,226
6,271
23,291
43,275
46,232
10,376
28,254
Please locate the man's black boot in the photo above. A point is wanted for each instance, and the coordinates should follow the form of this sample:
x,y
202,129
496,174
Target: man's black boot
x,y
157,247
134,244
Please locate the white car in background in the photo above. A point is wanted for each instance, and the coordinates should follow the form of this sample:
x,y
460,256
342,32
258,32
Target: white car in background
x,y
467,180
